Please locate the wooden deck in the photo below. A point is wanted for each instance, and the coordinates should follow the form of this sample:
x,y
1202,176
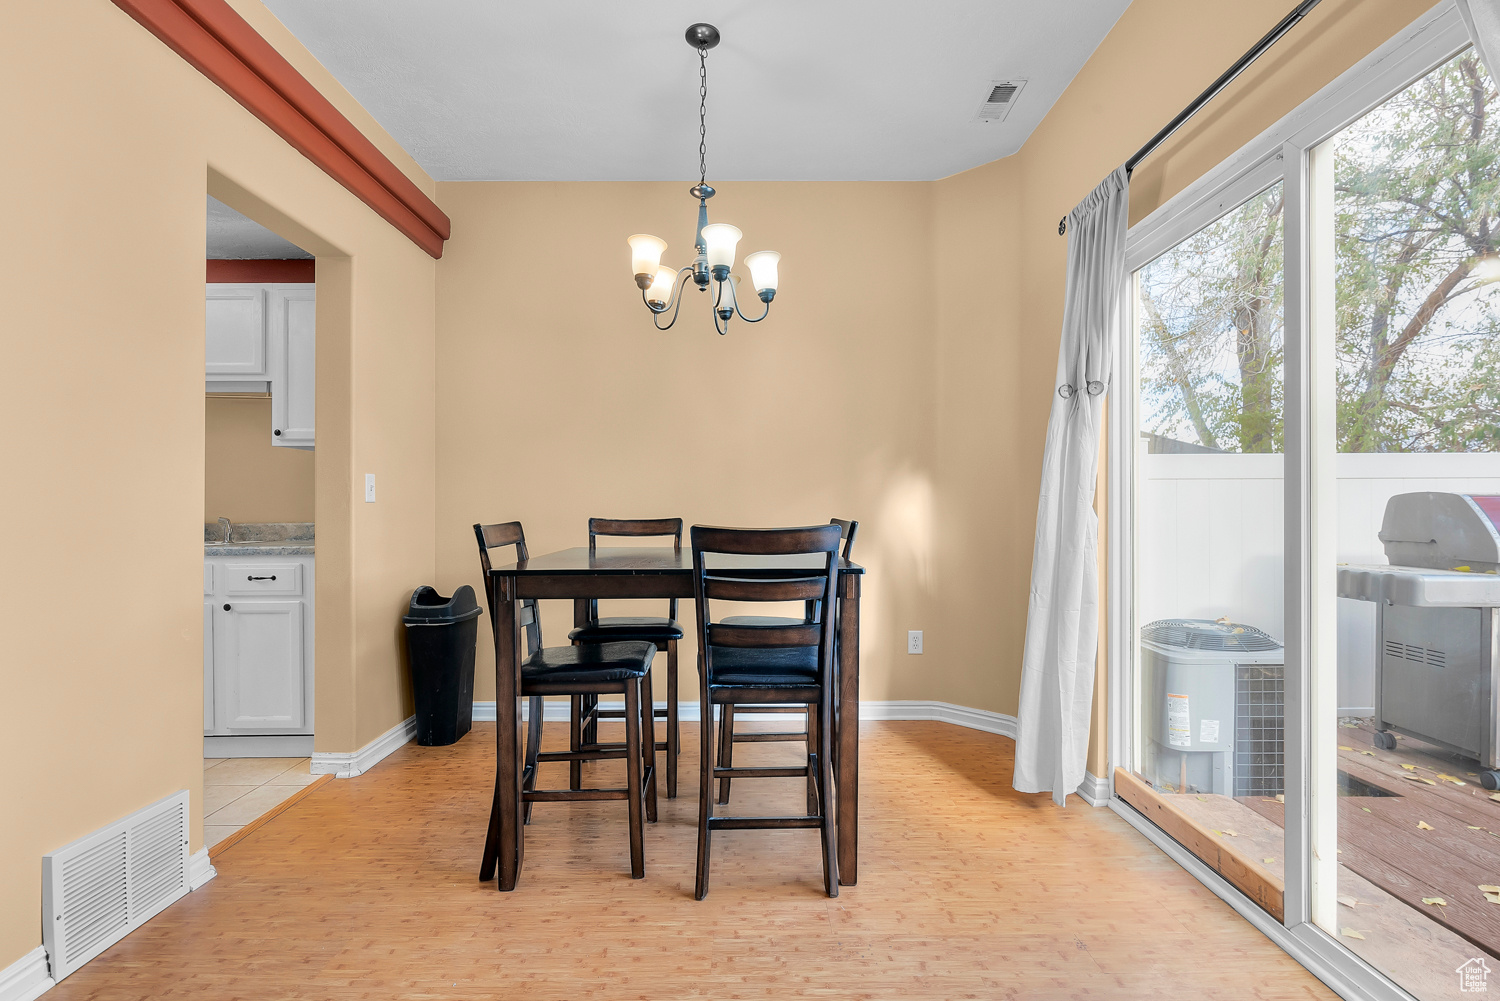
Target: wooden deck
x,y
1381,840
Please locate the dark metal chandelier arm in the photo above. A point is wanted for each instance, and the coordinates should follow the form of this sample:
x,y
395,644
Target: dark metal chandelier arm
x,y
763,313
674,304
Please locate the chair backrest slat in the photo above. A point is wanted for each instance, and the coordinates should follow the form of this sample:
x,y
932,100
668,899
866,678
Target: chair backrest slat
x,y
801,634
737,589
495,536
847,530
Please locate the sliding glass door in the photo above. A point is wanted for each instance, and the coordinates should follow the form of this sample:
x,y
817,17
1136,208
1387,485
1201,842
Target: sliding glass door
x,y
1305,557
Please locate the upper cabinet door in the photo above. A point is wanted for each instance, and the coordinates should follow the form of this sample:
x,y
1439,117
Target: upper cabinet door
x,y
235,327
293,365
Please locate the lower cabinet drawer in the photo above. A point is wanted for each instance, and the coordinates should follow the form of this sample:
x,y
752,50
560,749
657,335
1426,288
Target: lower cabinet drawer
x,y
245,579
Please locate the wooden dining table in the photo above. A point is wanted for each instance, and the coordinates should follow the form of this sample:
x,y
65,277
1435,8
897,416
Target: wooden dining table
x,y
649,572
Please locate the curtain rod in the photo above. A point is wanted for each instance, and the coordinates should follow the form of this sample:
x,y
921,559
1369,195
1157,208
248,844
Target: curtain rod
x,y
1225,79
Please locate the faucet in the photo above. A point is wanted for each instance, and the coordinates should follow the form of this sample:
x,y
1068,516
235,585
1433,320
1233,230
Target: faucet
x,y
228,529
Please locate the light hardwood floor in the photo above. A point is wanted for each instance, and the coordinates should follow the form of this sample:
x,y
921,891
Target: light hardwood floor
x,y
368,888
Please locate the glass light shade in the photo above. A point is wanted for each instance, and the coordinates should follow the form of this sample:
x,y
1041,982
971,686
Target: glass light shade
x,y
645,254
660,291
763,269
721,239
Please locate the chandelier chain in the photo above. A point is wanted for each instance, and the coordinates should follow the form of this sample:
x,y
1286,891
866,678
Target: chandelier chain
x,y
702,116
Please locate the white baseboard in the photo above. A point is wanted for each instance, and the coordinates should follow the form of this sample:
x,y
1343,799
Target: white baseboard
x,y
347,764
1093,790
200,869
941,712
26,978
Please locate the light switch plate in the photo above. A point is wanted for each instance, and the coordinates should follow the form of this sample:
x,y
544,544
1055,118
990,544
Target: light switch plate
x,y
914,641
369,488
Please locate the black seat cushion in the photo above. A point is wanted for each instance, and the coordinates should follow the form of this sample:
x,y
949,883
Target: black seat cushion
x,y
628,627
592,662
764,667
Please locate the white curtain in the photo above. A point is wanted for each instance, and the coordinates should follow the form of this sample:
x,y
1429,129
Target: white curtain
x,y
1062,622
1482,17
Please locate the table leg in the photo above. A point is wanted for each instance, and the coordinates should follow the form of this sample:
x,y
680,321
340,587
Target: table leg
x,y
578,705
505,842
847,782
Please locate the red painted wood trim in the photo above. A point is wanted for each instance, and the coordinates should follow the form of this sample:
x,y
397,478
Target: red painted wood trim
x,y
295,270
225,48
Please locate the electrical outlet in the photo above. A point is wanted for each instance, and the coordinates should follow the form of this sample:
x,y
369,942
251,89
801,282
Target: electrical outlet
x,y
369,488
914,641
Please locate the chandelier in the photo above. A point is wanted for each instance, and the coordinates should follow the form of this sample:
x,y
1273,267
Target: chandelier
x,y
661,287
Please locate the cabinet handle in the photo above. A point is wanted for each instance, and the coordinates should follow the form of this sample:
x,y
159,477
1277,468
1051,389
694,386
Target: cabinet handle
x,y
226,608
277,433
272,577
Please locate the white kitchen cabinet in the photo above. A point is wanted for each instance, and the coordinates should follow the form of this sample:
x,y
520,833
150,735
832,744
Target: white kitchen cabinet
x,y
258,649
262,338
290,330
235,332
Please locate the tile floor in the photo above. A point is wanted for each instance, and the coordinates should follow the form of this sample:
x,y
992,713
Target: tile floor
x,y
238,790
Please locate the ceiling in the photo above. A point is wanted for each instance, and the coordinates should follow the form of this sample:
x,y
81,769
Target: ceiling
x,y
234,237
606,90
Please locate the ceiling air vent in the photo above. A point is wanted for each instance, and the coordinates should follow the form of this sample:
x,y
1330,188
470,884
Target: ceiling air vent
x,y
1000,99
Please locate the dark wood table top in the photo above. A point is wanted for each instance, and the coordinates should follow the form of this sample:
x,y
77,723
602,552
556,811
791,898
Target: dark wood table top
x,y
647,560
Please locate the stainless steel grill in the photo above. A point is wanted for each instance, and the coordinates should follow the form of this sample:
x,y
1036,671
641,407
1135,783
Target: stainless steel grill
x,y
1438,625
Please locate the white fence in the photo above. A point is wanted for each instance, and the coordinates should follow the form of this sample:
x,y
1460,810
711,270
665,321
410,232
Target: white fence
x,y
1212,538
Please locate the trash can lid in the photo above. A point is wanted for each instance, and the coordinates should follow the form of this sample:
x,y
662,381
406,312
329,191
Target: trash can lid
x,y
427,606
1208,634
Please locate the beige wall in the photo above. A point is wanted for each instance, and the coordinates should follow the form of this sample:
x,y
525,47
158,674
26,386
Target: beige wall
x,y
246,478
114,140
557,400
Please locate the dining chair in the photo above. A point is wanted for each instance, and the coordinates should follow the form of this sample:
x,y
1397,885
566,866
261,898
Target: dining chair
x,y
727,735
664,632
620,668
775,663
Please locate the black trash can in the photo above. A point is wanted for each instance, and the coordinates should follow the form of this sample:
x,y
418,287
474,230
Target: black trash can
x,y
440,634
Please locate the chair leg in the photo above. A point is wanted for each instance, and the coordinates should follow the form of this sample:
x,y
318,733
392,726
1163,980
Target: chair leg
x,y
705,781
825,790
575,742
534,718
812,744
674,733
726,747
648,745
633,778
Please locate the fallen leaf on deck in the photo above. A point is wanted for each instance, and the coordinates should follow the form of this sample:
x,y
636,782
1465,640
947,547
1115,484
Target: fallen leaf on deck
x,y
1423,825
1281,797
1439,901
1345,747
1473,828
1495,796
1488,888
1351,933
1202,800
1367,809
1232,834
1410,768
1451,778
1370,753
1219,833
1348,901
1268,861
1493,898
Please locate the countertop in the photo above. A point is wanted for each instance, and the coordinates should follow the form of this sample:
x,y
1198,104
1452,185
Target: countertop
x,y
259,539
257,549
